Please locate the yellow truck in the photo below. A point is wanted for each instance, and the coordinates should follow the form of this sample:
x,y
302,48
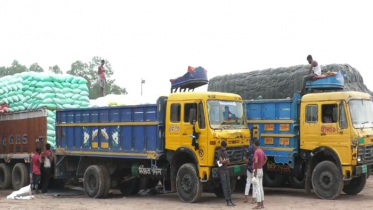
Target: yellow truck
x,y
321,140
175,141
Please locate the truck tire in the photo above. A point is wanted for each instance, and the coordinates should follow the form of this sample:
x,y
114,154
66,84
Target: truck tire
x,y
129,188
327,180
94,183
297,182
189,188
107,180
219,190
356,185
5,176
20,176
271,179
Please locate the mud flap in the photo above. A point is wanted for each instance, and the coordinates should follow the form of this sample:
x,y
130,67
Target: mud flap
x,y
308,180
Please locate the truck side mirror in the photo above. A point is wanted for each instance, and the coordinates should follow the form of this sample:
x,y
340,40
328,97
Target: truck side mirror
x,y
192,115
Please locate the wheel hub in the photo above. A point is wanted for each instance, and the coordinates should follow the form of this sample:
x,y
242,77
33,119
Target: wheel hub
x,y
92,182
186,183
325,179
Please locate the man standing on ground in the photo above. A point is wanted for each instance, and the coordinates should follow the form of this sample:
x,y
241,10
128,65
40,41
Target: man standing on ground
x,y
249,173
315,70
47,157
223,173
102,78
259,160
35,162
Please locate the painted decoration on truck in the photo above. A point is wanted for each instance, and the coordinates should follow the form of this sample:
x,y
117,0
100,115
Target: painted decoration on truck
x,y
284,142
174,128
284,127
328,129
115,135
85,137
277,168
269,127
105,142
94,139
4,142
268,141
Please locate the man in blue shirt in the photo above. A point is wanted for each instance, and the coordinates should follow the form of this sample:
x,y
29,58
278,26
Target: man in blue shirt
x,y
249,157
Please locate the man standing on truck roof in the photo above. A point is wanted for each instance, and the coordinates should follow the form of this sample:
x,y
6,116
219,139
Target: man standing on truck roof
x,y
35,163
259,160
315,70
102,79
224,174
47,157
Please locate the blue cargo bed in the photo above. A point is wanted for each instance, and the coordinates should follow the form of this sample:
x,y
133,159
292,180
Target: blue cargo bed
x,y
275,124
126,131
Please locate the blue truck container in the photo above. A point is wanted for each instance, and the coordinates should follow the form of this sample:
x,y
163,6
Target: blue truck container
x,y
128,131
275,124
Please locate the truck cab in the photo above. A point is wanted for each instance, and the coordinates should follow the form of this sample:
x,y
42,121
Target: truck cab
x,y
196,123
337,133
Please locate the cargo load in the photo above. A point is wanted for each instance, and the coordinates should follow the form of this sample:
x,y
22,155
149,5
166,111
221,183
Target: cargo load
x,y
279,83
32,90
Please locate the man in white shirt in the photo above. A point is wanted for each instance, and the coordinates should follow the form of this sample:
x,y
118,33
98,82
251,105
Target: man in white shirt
x,y
315,70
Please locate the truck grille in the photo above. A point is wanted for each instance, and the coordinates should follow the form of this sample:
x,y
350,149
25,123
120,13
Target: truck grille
x,y
366,152
235,154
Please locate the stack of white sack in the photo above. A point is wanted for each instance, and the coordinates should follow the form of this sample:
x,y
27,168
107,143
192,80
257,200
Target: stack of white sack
x,y
32,90
123,100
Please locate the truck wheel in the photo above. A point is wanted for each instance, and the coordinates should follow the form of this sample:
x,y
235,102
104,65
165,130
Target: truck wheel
x,y
5,176
129,188
219,190
107,180
327,180
188,186
297,182
94,182
356,185
20,176
272,179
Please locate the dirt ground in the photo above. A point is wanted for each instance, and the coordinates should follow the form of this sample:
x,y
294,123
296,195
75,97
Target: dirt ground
x,y
275,199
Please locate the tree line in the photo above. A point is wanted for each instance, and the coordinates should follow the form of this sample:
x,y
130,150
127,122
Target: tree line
x,y
78,68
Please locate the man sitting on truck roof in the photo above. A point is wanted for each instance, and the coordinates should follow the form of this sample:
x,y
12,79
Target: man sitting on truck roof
x,y
315,70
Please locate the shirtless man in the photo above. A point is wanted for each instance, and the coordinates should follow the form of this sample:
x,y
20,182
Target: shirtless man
x,y
315,70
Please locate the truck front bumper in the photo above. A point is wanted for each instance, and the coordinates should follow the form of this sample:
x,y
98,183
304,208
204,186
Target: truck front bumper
x,y
234,171
364,168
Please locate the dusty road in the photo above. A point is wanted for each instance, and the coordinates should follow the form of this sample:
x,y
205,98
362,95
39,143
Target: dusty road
x,y
275,199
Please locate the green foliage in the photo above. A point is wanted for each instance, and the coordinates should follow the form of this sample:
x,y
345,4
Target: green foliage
x,y
15,68
36,68
55,69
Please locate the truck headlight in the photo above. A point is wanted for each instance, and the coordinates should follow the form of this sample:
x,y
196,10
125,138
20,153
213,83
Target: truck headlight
x,y
359,159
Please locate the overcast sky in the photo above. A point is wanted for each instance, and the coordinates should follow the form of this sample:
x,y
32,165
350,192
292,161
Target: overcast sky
x,y
158,40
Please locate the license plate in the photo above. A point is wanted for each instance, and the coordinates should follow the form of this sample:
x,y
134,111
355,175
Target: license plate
x,y
364,169
237,169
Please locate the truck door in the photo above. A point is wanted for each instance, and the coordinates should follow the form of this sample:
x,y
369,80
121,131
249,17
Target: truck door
x,y
309,132
187,129
331,134
173,125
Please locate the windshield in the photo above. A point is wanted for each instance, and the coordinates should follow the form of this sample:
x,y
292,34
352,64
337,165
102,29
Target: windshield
x,y
361,113
226,114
